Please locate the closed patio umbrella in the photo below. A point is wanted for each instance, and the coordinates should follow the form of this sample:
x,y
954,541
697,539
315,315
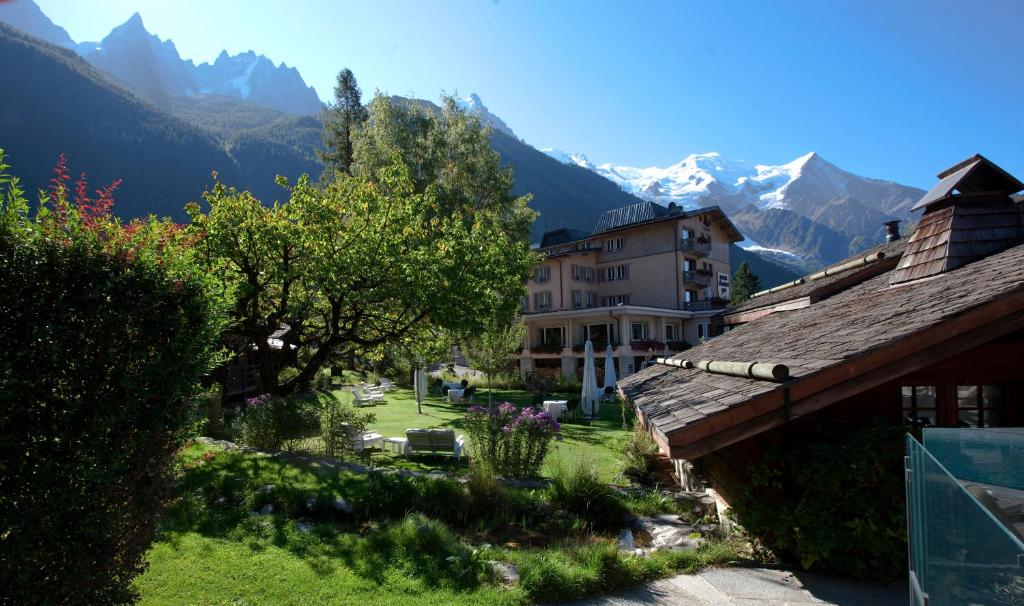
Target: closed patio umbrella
x,y
590,394
420,385
609,369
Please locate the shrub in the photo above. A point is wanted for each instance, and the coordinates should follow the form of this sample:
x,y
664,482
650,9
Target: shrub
x,y
339,423
512,442
639,454
256,425
428,549
579,490
104,338
834,502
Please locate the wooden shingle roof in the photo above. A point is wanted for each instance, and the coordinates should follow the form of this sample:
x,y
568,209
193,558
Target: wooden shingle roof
x,y
831,335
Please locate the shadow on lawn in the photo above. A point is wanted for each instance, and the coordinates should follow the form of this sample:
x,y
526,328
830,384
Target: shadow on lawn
x,y
221,497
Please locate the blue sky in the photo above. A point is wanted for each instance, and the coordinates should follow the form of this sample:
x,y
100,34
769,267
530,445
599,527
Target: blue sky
x,y
895,90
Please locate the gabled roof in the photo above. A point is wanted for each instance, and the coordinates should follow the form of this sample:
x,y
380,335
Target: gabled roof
x,y
831,346
974,175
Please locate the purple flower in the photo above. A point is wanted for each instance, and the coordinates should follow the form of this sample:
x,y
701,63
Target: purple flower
x,y
476,409
506,407
259,400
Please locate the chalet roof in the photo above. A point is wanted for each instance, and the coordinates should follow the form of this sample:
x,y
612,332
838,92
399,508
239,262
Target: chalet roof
x,y
971,176
629,215
824,287
823,343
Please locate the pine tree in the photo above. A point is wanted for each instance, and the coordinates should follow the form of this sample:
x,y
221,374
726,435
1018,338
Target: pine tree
x,y
341,118
744,284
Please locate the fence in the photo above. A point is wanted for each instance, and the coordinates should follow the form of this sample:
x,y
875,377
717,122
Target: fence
x,y
965,510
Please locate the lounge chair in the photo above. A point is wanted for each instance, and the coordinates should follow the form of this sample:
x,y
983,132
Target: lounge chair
x,y
362,398
435,442
386,384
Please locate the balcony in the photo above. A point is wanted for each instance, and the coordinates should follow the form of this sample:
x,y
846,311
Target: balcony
x,y
547,348
647,345
694,246
706,304
696,277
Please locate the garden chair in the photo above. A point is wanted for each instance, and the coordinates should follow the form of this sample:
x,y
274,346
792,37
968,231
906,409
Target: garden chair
x,y
386,384
435,442
468,395
361,398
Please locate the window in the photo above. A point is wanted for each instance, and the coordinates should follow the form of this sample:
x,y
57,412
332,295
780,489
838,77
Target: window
x,y
638,331
979,405
615,300
685,234
542,300
526,303
613,244
542,275
616,272
689,265
600,333
553,336
690,296
591,299
703,330
919,405
577,298
577,273
588,274
672,332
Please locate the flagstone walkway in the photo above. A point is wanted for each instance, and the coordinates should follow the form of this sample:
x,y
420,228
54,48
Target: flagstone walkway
x,y
756,587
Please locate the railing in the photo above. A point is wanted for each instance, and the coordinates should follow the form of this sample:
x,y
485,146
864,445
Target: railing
x,y
695,246
646,345
599,347
705,304
963,546
696,278
677,345
547,348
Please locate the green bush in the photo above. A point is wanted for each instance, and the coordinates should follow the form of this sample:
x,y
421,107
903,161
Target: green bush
x,y
579,489
104,339
339,423
638,455
834,502
426,548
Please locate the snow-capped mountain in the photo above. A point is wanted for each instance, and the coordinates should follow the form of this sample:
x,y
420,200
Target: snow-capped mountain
x,y
153,68
807,207
473,104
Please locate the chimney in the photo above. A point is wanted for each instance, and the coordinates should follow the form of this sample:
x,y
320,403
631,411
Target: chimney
x,y
892,230
968,215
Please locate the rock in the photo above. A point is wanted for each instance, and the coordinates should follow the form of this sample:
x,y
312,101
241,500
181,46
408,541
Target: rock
x,y
266,489
303,527
310,504
267,510
221,501
626,540
668,518
506,571
340,504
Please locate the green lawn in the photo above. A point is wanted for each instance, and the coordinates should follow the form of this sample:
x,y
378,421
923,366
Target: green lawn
x,y
213,549
598,442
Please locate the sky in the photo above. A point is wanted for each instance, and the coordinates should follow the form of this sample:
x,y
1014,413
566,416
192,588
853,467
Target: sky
x,y
886,89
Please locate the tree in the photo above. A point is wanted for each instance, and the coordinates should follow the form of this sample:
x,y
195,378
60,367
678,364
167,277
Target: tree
x,y
744,284
341,119
360,264
491,349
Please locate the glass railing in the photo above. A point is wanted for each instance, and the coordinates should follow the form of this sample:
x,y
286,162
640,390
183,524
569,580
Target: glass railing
x,y
964,541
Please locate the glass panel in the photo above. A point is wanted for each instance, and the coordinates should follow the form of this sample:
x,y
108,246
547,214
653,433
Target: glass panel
x,y
992,404
919,404
967,411
960,553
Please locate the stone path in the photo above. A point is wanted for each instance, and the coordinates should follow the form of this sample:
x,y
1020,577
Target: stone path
x,y
756,587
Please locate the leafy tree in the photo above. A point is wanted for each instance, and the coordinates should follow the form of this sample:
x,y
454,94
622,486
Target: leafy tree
x,y
744,284
341,119
359,264
107,330
491,349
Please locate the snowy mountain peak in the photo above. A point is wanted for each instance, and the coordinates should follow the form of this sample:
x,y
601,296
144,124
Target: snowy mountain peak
x,y
567,158
474,105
